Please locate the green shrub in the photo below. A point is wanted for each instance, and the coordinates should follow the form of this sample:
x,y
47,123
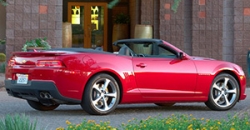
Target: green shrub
x,y
183,122
37,42
173,122
2,41
88,125
2,57
2,67
17,122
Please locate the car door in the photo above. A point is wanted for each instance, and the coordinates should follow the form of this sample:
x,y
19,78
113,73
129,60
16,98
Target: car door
x,y
164,75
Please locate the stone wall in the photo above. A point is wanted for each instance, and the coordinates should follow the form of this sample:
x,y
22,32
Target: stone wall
x,y
196,27
241,32
29,19
171,24
219,29
199,27
207,28
134,15
2,21
147,10
2,27
167,25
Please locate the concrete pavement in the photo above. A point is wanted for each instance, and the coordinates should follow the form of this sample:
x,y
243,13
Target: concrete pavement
x,y
2,78
241,113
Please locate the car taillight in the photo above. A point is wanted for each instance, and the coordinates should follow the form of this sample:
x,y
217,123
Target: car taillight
x,y
49,63
11,62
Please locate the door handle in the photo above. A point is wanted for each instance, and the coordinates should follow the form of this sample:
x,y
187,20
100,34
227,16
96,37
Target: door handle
x,y
142,65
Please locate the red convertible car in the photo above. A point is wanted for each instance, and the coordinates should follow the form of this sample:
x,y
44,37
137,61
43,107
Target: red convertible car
x,y
143,71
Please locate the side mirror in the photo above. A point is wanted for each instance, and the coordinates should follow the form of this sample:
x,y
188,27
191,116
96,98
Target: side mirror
x,y
182,55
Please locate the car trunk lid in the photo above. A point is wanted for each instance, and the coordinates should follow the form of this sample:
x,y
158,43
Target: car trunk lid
x,y
35,65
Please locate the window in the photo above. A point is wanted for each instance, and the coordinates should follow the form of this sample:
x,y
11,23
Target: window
x,y
144,48
149,49
163,52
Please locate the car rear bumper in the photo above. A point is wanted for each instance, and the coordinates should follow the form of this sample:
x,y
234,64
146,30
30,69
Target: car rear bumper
x,y
45,92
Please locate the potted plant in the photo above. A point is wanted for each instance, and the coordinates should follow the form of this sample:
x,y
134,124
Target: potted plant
x,y
144,30
2,41
2,63
37,44
2,45
121,18
120,28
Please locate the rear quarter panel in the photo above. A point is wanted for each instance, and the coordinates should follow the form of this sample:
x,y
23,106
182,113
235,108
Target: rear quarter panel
x,y
81,67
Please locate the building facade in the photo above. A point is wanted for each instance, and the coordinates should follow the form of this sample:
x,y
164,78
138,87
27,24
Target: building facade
x,y
218,29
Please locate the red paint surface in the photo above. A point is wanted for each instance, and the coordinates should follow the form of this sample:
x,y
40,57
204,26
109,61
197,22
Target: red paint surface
x,y
142,79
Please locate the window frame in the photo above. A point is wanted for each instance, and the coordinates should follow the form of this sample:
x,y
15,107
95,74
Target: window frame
x,y
156,44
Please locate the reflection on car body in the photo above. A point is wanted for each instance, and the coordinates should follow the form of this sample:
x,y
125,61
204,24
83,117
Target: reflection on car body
x,y
143,71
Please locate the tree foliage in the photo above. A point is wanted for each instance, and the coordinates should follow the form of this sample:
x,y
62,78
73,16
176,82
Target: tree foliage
x,y
112,3
175,5
2,2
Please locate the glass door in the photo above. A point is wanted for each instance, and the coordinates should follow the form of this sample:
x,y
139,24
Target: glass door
x,y
89,24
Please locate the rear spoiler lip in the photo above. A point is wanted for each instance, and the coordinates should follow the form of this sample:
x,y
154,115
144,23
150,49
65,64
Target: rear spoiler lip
x,y
51,53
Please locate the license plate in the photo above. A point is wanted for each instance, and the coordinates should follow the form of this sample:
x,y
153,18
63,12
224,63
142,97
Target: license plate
x,y
22,78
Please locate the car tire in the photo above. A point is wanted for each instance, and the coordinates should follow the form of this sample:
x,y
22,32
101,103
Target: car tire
x,y
41,107
224,93
165,104
101,95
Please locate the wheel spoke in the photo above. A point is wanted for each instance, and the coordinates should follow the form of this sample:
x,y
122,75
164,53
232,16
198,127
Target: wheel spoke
x,y
232,91
215,86
218,98
106,83
113,95
224,92
96,100
96,87
227,102
102,94
105,104
225,82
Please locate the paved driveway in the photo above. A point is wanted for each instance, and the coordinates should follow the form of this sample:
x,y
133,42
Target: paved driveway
x,y
50,120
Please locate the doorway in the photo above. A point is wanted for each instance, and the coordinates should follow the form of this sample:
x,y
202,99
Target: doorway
x,y
89,24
